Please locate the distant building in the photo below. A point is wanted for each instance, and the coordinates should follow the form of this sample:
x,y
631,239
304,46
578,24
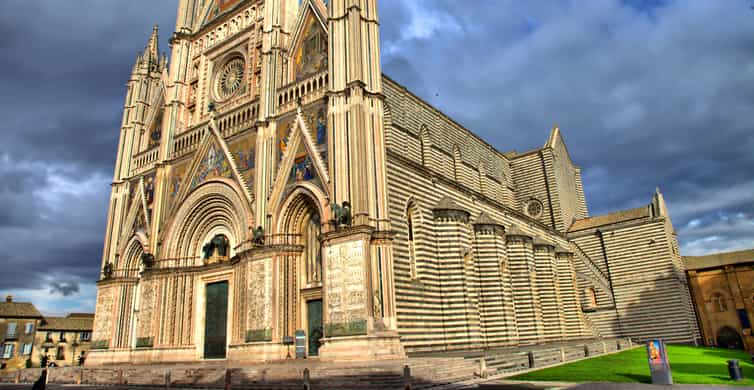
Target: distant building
x,y
64,340
18,323
722,286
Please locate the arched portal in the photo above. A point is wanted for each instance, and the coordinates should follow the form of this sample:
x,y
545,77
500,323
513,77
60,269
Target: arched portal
x,y
302,217
728,337
215,211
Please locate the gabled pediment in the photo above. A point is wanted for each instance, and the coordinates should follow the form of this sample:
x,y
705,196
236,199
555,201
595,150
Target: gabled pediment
x,y
309,41
213,160
138,219
302,159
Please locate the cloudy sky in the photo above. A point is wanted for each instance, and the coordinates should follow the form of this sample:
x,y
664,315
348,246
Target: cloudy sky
x,y
646,92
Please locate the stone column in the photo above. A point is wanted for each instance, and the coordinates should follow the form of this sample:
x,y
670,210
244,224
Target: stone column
x,y
548,286
496,302
526,296
569,293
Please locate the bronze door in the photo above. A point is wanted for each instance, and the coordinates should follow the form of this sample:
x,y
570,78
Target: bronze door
x,y
216,320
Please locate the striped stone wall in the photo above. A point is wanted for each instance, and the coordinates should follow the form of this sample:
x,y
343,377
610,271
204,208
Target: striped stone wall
x,y
650,290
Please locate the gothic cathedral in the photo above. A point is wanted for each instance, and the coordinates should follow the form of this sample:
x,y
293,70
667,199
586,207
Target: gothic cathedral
x,y
272,186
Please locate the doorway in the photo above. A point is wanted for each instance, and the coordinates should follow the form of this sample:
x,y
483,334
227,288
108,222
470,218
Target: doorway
x,y
314,325
216,320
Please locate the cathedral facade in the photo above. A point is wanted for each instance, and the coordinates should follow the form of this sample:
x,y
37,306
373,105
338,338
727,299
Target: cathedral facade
x,y
272,186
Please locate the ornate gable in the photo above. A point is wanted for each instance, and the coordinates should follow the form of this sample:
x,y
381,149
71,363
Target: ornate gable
x,y
213,160
309,43
301,155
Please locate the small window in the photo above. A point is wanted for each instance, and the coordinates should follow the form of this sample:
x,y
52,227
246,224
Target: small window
x,y
60,355
592,297
61,336
411,248
48,336
10,332
86,336
26,350
29,328
8,350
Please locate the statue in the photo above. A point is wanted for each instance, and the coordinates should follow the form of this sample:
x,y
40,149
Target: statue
x,y
107,271
258,239
147,259
219,243
342,214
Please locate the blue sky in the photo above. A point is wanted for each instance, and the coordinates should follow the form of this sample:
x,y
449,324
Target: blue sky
x,y
646,92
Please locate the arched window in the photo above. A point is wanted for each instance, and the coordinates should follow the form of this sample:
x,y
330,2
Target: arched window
x,y
591,296
410,219
718,303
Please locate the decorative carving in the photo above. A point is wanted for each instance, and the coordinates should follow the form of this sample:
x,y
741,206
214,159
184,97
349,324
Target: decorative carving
x,y
346,297
103,321
260,296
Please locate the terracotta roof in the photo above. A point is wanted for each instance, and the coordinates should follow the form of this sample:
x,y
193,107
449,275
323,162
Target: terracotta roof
x,y
609,219
718,259
67,323
80,315
19,310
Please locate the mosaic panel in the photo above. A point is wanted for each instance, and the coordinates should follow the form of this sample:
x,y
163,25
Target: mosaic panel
x,y
213,165
244,151
311,55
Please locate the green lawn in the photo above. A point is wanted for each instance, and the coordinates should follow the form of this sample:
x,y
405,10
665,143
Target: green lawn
x,y
688,364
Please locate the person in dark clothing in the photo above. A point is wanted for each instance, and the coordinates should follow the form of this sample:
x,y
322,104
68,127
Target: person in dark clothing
x,y
41,383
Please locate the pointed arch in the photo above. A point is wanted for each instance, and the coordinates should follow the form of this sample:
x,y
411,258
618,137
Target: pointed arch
x,y
216,207
457,163
412,217
289,211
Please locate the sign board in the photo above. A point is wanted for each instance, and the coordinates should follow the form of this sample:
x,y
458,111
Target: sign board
x,y
659,366
300,344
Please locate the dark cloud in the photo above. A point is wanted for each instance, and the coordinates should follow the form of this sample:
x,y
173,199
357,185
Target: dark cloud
x,y
647,93
642,98
65,289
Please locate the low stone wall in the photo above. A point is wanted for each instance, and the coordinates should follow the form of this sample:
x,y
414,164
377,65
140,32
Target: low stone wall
x,y
511,361
426,371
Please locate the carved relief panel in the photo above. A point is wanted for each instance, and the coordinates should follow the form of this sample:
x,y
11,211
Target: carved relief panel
x,y
345,289
259,327
104,320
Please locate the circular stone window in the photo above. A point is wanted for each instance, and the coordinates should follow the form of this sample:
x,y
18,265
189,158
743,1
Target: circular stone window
x,y
229,79
534,208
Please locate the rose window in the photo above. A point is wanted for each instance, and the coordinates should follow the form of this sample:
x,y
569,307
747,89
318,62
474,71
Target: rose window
x,y
229,79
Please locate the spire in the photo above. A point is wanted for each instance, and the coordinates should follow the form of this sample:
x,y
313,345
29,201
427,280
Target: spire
x,y
658,204
554,135
153,46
